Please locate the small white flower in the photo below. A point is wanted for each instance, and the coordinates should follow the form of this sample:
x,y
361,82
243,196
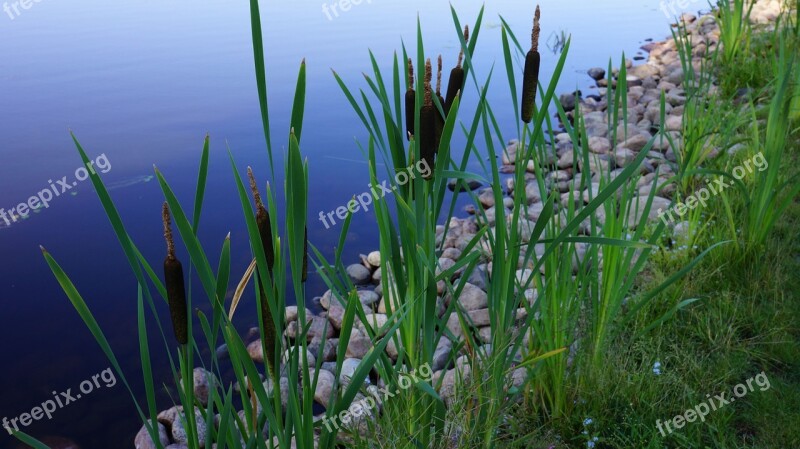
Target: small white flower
x,y
657,368
587,421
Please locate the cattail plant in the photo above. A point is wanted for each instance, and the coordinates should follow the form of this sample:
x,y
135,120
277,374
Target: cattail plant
x,y
439,117
427,122
173,281
265,231
531,76
456,82
305,256
411,101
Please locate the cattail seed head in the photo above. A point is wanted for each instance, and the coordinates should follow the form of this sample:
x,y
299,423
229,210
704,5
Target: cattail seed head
x,y
439,117
427,120
411,101
456,83
263,222
530,78
174,283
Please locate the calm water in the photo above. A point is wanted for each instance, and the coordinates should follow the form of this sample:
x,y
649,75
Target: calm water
x,y
141,83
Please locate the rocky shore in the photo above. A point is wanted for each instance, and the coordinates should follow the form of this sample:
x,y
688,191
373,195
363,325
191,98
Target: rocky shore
x,y
662,72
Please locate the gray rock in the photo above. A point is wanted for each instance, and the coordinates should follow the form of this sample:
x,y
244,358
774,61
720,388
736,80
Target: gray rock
x,y
179,435
203,381
471,298
359,345
599,145
144,441
374,258
322,393
359,274
597,73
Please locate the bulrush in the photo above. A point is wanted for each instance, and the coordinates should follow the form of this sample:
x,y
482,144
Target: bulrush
x,y
265,231
427,123
173,279
456,82
411,101
305,256
530,78
439,117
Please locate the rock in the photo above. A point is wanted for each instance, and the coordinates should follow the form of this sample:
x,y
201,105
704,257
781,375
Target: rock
x,y
567,101
636,211
454,326
320,326
359,274
377,322
486,198
368,297
144,441
444,265
179,435
599,145
374,258
471,184
442,354
255,351
518,377
359,345
328,298
485,334
349,367
623,156
284,386
510,153
635,142
674,123
452,253
222,352
472,298
312,360
203,381
452,378
292,313
479,318
322,393
597,73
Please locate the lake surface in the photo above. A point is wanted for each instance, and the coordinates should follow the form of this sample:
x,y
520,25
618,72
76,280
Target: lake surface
x,y
140,83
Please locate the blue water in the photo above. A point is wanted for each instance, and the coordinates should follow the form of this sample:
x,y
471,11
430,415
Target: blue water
x,y
141,83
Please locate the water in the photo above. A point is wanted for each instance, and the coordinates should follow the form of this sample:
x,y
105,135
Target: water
x,y
141,83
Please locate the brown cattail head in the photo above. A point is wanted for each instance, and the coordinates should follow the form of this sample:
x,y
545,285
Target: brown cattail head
x,y
411,101
263,222
461,52
456,83
427,122
439,77
439,117
305,256
174,283
530,78
536,30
